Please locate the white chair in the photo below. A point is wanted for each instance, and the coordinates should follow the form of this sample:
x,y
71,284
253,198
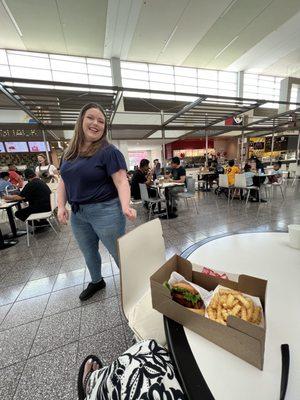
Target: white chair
x,y
292,170
150,200
223,183
43,215
297,174
141,253
189,194
241,184
52,186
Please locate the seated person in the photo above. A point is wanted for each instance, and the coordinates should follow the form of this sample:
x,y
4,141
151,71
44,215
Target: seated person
x,y
249,175
36,193
14,177
178,175
231,171
4,183
142,175
276,173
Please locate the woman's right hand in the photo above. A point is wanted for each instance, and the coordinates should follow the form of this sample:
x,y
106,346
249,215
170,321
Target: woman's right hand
x,y
63,215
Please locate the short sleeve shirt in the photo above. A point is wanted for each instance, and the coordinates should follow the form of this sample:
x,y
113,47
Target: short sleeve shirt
x,y
177,173
45,168
37,193
89,179
137,178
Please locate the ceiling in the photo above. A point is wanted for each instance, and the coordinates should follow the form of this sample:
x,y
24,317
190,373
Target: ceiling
x,y
260,36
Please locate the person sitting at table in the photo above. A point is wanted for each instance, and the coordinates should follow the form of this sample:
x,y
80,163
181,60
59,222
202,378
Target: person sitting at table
x,y
144,371
36,193
4,183
15,178
231,170
178,175
276,173
142,175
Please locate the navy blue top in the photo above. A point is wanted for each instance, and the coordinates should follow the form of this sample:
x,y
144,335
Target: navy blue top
x,y
88,179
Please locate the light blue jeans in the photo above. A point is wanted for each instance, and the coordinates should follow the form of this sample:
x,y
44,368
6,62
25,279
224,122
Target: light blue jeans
x,y
93,222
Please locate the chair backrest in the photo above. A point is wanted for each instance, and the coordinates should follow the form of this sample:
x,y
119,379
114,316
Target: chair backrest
x,y
240,181
283,167
144,192
190,185
53,201
298,170
52,186
223,180
141,253
292,167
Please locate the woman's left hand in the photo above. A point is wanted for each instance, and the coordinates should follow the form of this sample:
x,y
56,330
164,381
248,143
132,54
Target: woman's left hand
x,y
130,213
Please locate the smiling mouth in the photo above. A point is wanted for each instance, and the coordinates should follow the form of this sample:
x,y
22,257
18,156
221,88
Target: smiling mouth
x,y
94,130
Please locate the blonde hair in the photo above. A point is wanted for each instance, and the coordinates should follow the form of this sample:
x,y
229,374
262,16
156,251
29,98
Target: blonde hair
x,y
77,141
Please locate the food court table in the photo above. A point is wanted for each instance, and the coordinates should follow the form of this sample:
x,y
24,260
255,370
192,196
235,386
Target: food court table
x,y
8,207
220,374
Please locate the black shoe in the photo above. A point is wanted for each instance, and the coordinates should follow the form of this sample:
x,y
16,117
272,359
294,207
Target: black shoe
x,y
91,289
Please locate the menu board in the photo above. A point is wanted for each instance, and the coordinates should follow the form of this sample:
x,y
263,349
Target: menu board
x,y
38,147
16,147
2,148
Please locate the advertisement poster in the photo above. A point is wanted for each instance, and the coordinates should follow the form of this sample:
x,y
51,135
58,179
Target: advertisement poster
x,y
38,147
16,147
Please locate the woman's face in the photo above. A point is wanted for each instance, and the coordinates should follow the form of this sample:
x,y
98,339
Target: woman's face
x,y
93,125
41,160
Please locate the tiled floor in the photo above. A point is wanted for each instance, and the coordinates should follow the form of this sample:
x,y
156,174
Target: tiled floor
x,y
45,331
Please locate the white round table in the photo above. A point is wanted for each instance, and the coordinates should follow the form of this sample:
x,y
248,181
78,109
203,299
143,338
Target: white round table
x,y
268,256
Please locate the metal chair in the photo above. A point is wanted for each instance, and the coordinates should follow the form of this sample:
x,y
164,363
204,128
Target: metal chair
x,y
223,184
190,193
150,200
297,174
43,215
241,184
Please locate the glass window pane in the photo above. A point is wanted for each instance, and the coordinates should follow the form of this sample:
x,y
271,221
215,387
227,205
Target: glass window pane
x,y
227,85
207,74
30,73
153,77
182,80
69,77
4,70
206,90
100,80
67,66
27,53
207,84
70,59
134,66
3,57
225,76
187,89
28,61
182,71
98,70
163,69
142,75
162,86
131,83
98,61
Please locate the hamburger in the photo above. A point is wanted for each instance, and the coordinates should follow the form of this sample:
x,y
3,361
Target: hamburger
x,y
186,295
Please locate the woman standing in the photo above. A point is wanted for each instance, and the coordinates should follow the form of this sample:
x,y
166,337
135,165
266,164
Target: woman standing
x,y
45,171
95,184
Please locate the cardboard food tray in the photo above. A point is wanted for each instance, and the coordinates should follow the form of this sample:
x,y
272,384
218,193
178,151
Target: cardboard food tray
x,y
244,339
